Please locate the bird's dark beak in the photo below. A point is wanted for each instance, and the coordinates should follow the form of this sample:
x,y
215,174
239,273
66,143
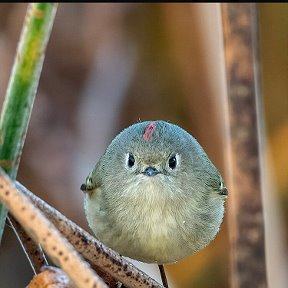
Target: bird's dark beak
x,y
151,171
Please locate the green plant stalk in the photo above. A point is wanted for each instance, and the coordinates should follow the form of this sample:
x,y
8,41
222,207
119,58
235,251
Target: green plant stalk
x,y
22,88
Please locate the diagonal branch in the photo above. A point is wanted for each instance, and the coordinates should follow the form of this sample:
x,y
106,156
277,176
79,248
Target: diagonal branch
x,y
92,249
43,231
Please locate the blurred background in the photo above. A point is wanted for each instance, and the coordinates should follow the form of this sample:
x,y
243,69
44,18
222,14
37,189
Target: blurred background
x,y
109,65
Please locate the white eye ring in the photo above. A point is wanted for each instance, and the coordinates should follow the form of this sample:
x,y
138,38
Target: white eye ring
x,y
221,185
130,160
175,158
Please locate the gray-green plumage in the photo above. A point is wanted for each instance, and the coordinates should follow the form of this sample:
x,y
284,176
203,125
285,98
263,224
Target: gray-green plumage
x,y
160,214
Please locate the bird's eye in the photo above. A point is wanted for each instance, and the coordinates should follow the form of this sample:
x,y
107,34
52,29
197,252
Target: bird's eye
x,y
172,162
131,160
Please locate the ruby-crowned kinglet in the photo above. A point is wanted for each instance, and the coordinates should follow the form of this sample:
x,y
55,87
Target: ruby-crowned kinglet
x,y
154,195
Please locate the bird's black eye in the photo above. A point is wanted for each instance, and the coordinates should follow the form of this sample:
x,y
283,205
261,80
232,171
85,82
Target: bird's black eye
x,y
172,162
131,160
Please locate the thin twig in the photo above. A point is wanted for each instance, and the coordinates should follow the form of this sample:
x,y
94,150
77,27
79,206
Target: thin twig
x,y
92,249
43,231
163,276
33,251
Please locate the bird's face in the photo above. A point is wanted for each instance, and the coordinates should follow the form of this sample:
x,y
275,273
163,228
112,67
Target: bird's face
x,y
151,151
146,160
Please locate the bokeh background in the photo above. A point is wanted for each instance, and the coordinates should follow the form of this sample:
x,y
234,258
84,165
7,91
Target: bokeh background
x,y
109,65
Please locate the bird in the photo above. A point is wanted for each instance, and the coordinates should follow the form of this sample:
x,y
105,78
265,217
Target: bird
x,y
154,195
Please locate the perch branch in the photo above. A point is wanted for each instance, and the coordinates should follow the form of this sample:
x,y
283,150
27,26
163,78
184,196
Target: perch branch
x,y
43,231
92,249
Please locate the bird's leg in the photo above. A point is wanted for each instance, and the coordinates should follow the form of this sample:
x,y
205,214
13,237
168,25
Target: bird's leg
x,y
163,276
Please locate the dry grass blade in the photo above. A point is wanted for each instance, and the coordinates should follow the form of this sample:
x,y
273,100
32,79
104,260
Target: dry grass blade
x,y
18,104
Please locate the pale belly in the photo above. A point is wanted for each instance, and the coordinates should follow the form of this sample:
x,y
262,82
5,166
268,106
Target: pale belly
x,y
151,239
156,239
149,232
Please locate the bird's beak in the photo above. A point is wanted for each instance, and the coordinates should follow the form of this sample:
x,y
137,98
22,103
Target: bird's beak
x,y
151,171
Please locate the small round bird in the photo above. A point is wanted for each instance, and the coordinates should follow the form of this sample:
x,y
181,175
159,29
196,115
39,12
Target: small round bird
x,y
154,195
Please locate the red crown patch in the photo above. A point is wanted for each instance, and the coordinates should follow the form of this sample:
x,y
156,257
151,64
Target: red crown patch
x,y
149,131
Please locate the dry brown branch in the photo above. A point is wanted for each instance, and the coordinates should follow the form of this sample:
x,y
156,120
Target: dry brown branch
x,y
92,249
41,230
51,277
